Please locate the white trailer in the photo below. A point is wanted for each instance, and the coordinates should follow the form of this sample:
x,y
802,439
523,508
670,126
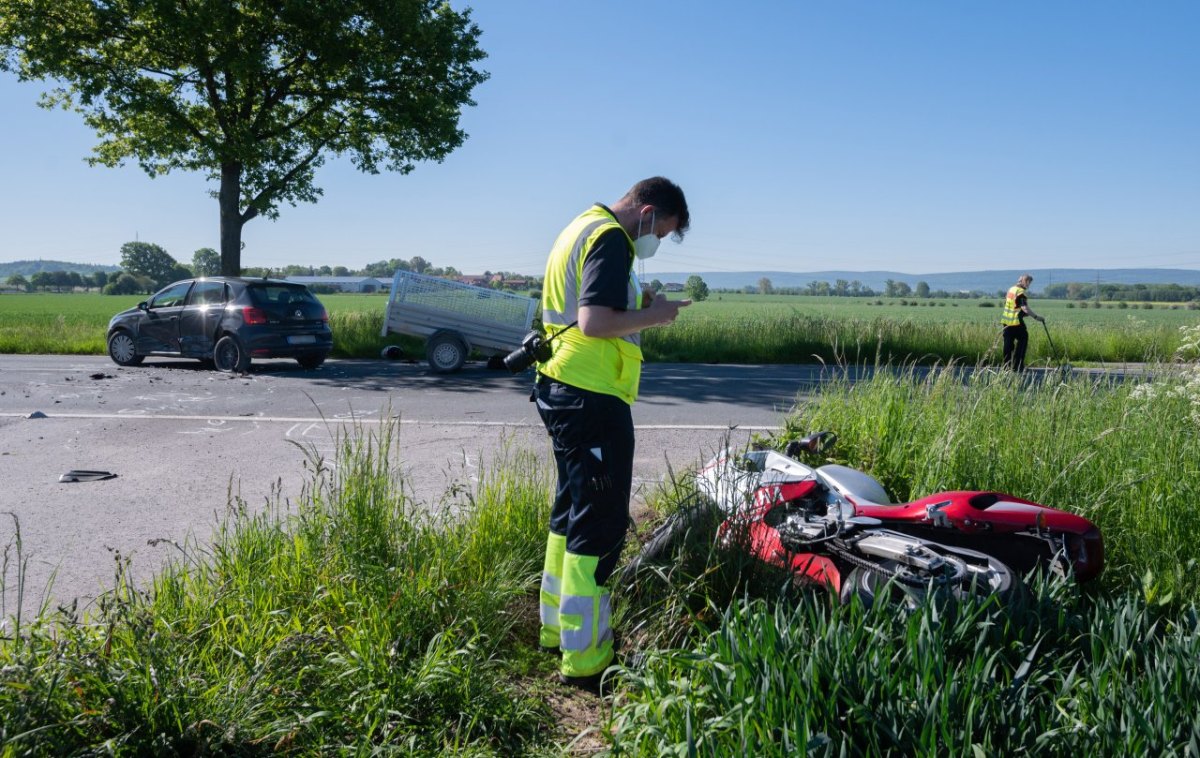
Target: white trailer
x,y
455,318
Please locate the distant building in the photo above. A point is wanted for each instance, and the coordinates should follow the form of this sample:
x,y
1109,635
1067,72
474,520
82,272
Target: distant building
x,y
672,287
344,283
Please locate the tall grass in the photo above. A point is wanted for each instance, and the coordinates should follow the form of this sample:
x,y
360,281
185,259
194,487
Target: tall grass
x,y
1062,676
772,337
1125,455
740,662
53,334
748,330
354,622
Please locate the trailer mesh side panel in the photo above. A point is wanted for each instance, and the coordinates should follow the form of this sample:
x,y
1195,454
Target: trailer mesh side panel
x,y
485,305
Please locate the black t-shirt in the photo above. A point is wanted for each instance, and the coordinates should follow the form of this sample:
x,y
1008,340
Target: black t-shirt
x,y
606,271
1020,302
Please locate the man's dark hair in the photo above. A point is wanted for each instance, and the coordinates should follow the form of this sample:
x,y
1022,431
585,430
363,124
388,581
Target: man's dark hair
x,y
664,195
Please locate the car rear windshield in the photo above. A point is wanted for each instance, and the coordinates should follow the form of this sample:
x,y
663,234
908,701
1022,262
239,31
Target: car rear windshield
x,y
280,294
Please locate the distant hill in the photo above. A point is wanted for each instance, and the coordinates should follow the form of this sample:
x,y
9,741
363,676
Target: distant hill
x,y
29,268
984,281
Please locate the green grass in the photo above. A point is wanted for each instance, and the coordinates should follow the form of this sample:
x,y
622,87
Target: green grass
x,y
727,328
1061,676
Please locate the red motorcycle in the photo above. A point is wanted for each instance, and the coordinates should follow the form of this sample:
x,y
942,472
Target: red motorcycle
x,y
837,527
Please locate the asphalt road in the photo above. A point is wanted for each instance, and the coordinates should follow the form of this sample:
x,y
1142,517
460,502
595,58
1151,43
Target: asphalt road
x,y
181,438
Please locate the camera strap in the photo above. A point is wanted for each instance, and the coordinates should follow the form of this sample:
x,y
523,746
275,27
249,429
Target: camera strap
x,y
551,339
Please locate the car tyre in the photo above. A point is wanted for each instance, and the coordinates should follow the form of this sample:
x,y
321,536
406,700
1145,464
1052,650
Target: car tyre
x,y
310,362
230,357
122,349
445,352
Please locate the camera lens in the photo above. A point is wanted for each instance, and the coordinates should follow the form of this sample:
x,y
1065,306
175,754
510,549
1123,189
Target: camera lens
x,y
518,360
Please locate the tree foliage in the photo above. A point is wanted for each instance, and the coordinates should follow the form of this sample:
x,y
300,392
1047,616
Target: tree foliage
x,y
695,288
125,283
252,93
206,262
58,280
151,261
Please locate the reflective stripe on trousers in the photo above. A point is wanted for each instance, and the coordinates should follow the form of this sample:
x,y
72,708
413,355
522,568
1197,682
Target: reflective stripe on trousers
x,y
556,548
585,617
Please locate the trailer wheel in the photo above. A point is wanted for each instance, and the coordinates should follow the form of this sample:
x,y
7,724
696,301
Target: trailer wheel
x,y
446,352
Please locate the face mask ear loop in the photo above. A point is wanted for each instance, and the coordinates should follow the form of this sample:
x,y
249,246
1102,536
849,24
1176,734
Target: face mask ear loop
x,y
641,262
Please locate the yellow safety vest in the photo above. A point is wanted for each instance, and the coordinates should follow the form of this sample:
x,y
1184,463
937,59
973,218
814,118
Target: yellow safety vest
x,y
609,365
1011,316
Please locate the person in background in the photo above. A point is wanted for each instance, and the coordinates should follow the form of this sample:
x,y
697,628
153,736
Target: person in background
x,y
584,393
1016,336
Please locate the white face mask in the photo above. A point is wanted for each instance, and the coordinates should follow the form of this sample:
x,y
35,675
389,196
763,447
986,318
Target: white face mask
x,y
646,245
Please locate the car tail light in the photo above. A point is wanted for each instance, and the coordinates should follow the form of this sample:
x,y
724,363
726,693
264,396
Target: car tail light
x,y
254,316
325,315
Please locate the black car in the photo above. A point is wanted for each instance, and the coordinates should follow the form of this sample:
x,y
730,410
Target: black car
x,y
226,321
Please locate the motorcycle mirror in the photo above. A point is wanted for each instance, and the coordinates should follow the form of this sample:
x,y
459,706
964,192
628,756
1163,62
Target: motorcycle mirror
x,y
818,442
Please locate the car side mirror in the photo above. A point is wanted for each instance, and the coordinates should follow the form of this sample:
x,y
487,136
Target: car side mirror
x,y
143,306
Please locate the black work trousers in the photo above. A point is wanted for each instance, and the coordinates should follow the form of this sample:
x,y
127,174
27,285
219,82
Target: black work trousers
x,y
592,436
1016,341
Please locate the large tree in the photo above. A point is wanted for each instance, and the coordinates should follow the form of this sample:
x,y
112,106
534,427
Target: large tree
x,y
149,260
253,93
206,262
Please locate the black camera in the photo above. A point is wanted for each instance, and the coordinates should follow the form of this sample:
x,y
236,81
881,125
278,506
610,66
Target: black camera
x,y
535,348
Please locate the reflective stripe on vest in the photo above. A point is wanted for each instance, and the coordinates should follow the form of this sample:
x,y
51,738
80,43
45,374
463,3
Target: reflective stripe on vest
x,y
1011,316
610,365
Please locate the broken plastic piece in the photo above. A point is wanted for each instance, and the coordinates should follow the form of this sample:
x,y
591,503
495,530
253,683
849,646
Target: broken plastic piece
x,y
83,475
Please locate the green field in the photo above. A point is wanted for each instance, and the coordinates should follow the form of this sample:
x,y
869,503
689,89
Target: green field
x,y
729,328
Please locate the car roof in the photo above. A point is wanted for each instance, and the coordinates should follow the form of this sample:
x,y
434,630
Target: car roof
x,y
248,280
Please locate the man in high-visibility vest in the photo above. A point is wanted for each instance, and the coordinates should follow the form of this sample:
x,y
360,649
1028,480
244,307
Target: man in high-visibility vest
x,y
584,392
1016,336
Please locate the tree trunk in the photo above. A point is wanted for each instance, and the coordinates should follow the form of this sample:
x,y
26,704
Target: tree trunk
x,y
231,219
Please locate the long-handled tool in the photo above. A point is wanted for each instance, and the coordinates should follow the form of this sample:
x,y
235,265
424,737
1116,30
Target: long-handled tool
x,y
1064,367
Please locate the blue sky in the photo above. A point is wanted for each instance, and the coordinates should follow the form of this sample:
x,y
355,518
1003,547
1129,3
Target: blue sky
x,y
910,136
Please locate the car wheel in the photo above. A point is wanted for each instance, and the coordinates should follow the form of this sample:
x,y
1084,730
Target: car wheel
x,y
310,361
445,352
122,349
228,356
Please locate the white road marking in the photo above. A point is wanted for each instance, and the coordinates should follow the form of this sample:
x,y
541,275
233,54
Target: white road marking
x,y
360,420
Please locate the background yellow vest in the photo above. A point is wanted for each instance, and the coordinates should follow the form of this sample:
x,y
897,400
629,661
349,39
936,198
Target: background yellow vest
x,y
1010,317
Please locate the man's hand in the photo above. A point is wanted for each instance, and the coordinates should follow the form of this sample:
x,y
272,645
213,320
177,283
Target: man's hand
x,y
1041,318
664,311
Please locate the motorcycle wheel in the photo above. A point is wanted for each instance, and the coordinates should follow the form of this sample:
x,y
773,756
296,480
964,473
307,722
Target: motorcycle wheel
x,y
691,523
872,586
